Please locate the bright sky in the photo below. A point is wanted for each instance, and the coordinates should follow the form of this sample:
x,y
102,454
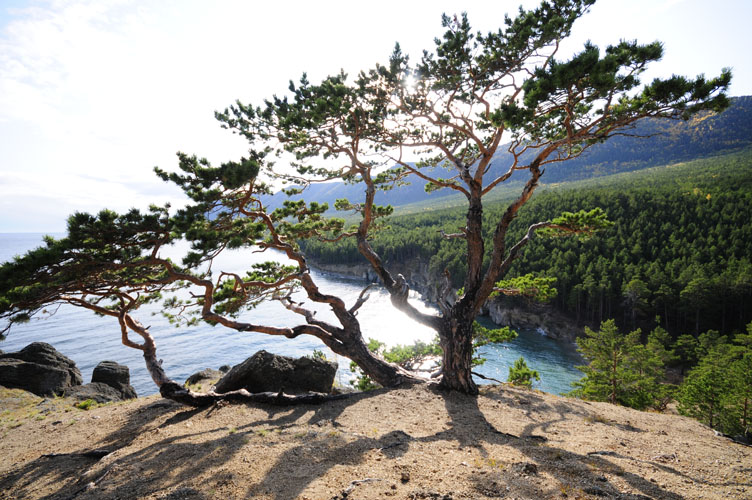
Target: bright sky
x,y
93,94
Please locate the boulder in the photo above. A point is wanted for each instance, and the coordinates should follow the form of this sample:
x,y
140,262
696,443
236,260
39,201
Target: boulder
x,y
40,369
116,376
267,372
205,375
99,392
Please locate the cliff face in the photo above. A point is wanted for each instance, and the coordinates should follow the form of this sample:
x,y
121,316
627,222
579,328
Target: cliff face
x,y
535,317
502,311
416,273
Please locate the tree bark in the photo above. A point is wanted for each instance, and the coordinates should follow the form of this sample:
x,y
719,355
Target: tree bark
x,y
456,338
379,370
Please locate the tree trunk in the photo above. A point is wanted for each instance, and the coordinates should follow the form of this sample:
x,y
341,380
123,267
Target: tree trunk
x,y
175,392
345,342
697,321
456,339
380,371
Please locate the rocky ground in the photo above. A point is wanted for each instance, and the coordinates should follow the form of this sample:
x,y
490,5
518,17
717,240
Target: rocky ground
x,y
415,443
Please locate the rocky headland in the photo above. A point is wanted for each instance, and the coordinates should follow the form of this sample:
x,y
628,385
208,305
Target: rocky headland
x,y
502,311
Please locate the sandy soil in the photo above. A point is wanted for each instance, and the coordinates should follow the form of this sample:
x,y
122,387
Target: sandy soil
x,y
413,443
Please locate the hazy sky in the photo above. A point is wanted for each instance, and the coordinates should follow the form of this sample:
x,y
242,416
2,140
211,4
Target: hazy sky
x,y
93,94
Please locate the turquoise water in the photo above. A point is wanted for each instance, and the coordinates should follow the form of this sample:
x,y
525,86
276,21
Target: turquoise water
x,y
89,339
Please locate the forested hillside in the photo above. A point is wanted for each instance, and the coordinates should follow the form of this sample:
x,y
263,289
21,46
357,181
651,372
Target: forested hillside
x,y
680,247
669,141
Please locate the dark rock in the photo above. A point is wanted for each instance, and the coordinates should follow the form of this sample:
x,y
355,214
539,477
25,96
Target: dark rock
x,y
205,375
40,369
116,376
743,438
595,491
98,391
525,468
225,368
183,494
267,372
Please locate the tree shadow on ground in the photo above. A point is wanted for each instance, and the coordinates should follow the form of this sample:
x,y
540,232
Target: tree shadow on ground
x,y
469,429
597,461
313,442
171,462
58,469
575,473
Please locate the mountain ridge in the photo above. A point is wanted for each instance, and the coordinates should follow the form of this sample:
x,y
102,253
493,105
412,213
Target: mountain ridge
x,y
666,142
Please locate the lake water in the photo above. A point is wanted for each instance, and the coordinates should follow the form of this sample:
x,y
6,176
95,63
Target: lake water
x,y
89,339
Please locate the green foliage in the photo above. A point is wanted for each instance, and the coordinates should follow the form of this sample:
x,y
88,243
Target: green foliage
x,y
620,369
686,349
520,374
362,381
704,388
86,404
529,286
233,296
583,223
318,355
664,235
104,261
484,336
410,357
718,391
659,344
414,354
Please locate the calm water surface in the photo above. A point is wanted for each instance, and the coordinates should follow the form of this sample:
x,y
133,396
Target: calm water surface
x,y
89,339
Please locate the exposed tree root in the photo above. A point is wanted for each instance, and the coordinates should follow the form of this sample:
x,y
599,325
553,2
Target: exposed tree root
x,y
175,392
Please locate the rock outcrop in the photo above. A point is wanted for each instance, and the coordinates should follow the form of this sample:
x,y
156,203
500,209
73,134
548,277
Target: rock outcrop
x,y
204,376
534,317
116,376
99,392
39,368
267,372
110,381
417,274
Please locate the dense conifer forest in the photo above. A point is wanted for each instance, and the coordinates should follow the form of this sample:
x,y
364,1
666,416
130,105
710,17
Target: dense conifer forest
x,y
679,248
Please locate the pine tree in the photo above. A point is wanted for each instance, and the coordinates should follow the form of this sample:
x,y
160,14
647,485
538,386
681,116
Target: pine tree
x,y
620,369
659,342
702,394
451,110
521,374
